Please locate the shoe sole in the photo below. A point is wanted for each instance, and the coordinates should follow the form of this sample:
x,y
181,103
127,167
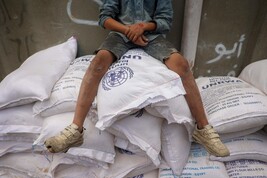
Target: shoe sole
x,y
73,145
78,143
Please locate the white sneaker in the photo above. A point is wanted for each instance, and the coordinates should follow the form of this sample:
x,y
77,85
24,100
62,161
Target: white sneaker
x,y
210,139
67,138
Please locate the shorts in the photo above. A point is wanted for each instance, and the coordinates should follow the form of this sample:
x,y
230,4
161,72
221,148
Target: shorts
x,y
158,48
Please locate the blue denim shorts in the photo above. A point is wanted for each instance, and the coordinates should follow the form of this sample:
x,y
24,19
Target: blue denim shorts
x,y
158,48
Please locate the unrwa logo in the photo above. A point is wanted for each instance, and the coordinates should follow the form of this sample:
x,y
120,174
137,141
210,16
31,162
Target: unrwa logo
x,y
116,77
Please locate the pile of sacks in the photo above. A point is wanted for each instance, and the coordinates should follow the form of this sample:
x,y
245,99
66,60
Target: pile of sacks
x,y
139,125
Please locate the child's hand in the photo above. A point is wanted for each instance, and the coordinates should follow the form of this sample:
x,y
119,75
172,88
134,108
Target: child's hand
x,y
135,31
141,41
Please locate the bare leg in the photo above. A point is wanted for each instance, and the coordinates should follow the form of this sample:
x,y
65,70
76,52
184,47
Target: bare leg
x,y
72,135
204,133
179,64
89,86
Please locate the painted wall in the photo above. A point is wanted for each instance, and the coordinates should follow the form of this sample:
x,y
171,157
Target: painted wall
x,y
231,35
27,26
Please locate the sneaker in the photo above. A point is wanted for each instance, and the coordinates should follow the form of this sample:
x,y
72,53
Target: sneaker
x,y
67,138
210,139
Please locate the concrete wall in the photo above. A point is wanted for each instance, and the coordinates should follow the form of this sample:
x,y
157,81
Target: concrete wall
x,y
27,26
232,32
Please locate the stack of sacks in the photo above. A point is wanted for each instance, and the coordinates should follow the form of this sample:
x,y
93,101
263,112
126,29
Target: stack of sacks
x,y
18,129
131,88
141,89
123,124
249,145
31,82
38,100
57,112
237,108
146,129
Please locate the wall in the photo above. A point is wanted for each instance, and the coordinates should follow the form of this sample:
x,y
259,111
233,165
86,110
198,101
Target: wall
x,y
219,36
27,26
232,34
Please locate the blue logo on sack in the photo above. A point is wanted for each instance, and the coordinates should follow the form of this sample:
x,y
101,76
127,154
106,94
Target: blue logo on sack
x,y
116,77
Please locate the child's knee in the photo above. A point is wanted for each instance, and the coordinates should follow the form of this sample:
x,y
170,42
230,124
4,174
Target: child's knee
x,y
100,63
178,64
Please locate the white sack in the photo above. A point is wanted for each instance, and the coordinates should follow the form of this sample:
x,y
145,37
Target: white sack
x,y
151,174
45,165
174,110
133,82
19,137
175,146
97,145
66,90
72,171
143,130
244,132
14,147
246,169
251,146
25,164
59,161
126,165
125,144
35,78
231,104
198,166
255,74
19,119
